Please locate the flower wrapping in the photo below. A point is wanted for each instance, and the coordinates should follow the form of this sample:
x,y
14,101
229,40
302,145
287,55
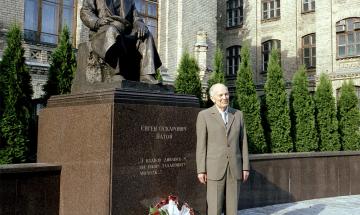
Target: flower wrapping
x,y
170,206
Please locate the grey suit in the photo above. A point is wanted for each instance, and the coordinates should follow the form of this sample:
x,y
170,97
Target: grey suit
x,y
222,153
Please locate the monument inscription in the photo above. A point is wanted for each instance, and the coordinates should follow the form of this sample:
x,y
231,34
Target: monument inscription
x,y
153,157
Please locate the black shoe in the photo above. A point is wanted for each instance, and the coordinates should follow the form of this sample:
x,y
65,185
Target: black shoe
x,y
149,79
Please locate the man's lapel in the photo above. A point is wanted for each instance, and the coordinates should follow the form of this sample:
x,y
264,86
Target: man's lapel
x,y
231,117
215,113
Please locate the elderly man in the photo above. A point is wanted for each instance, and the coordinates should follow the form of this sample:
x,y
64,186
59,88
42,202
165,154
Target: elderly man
x,y
118,35
221,152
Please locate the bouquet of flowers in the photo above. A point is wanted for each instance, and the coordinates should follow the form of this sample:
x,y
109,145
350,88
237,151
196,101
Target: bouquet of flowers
x,y
170,206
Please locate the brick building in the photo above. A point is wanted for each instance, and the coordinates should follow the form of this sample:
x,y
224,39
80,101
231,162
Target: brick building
x,y
41,22
321,34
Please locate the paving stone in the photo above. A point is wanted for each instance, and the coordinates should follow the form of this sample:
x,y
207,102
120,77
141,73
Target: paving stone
x,y
342,205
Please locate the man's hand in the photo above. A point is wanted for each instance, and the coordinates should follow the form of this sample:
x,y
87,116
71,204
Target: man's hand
x,y
202,178
141,29
103,21
245,175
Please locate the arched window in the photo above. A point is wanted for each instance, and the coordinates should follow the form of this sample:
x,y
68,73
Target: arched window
x,y
266,49
348,37
234,13
232,60
309,51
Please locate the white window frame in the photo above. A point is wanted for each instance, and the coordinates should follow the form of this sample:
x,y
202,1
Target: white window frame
x,y
266,52
234,13
233,60
309,47
270,9
348,38
308,5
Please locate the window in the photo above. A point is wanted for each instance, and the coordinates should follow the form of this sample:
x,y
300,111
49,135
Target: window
x,y
348,37
309,51
270,9
234,13
232,59
308,5
148,11
44,19
266,49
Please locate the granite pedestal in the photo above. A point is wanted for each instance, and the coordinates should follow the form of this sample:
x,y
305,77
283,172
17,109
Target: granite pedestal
x,y
122,150
31,189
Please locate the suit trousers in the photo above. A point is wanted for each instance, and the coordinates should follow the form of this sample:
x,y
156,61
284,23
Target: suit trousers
x,y
228,186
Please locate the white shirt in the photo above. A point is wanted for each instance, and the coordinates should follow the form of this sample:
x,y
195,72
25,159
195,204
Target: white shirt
x,y
224,115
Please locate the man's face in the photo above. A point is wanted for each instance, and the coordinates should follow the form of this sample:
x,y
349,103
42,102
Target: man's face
x,y
221,97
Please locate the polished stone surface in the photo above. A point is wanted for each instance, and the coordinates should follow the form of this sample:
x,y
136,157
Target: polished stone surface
x,y
79,138
124,96
153,157
32,189
288,177
120,155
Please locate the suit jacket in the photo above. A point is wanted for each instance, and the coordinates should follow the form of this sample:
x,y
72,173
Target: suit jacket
x,y
92,10
219,145
103,38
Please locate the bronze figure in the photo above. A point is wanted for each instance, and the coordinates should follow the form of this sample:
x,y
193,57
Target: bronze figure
x,y
120,37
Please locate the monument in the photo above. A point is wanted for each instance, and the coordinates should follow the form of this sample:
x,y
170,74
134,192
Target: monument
x,y
124,141
120,45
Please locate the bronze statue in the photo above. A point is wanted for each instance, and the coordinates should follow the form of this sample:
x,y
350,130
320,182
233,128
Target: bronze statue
x,y
119,36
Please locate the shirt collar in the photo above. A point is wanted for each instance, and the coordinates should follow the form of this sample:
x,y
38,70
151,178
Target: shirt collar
x,y
220,111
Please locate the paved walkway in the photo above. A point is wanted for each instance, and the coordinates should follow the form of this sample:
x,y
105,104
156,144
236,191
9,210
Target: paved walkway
x,y
342,205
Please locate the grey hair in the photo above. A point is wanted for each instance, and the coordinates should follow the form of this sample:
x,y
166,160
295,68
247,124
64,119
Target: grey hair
x,y
213,88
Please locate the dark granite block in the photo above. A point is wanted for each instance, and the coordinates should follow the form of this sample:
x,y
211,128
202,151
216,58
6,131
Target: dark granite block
x,y
331,177
7,194
268,184
311,175
295,179
354,162
153,157
122,150
344,175
32,189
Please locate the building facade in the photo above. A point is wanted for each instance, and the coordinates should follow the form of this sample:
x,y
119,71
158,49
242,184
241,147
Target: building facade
x,y
322,35
319,34
187,26
41,22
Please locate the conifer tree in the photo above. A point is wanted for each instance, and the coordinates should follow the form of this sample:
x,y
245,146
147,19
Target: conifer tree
x,y
277,106
325,112
303,110
249,104
349,117
265,123
218,75
16,94
188,80
62,67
